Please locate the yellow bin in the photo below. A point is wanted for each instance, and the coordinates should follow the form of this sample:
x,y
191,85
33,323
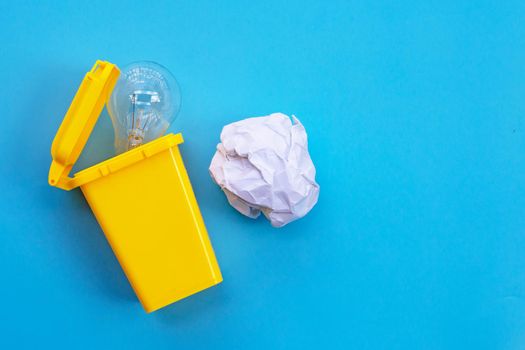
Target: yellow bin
x,y
142,199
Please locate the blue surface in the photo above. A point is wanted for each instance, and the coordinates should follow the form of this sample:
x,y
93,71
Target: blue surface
x,y
415,114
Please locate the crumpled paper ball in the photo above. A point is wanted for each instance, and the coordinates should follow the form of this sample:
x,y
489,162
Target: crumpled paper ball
x,y
262,164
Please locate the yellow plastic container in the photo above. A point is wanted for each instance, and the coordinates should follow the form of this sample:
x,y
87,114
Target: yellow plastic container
x,y
142,199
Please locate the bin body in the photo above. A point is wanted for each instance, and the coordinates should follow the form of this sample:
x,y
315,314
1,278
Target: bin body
x,y
144,202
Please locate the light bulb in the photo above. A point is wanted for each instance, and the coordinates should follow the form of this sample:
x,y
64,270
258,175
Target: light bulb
x,y
145,100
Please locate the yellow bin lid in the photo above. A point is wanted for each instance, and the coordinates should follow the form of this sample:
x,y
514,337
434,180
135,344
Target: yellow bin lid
x,y
80,120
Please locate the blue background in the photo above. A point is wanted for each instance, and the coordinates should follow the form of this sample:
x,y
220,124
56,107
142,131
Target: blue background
x,y
415,114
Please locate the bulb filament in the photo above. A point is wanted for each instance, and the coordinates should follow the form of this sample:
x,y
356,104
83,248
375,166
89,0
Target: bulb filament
x,y
141,116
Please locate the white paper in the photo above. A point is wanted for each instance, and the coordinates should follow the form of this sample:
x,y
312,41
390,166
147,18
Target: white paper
x,y
262,164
